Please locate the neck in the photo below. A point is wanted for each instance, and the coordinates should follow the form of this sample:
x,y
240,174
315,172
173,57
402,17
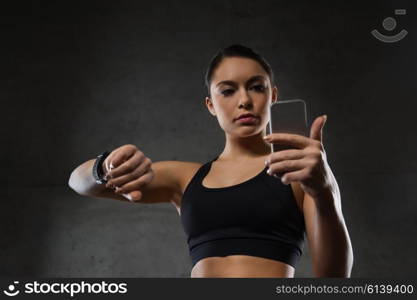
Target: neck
x,y
242,148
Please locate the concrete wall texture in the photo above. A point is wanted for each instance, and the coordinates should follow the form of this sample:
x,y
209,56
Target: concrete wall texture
x,y
80,77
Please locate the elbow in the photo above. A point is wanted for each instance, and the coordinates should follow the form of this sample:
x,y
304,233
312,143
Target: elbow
x,y
350,261
72,182
333,266
343,272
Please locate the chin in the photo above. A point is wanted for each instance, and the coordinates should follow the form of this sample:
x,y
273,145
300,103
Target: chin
x,y
247,132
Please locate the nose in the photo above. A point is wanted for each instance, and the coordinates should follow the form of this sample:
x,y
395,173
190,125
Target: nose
x,y
245,100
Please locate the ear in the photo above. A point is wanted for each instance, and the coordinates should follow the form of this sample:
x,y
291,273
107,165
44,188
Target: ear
x,y
210,107
275,94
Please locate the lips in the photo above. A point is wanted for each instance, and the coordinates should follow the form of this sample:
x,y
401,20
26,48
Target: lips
x,y
246,116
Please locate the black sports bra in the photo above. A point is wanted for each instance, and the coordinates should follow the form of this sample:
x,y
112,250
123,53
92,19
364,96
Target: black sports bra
x,y
257,217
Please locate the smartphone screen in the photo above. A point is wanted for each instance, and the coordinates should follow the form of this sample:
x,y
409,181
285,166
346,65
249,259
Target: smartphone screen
x,y
288,116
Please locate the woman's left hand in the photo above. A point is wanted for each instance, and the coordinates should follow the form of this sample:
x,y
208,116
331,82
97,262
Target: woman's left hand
x,y
307,163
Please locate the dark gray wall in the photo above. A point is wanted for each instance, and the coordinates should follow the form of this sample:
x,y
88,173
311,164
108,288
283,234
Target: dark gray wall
x,y
81,77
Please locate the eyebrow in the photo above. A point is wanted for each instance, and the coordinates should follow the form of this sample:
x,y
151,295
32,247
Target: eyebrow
x,y
250,80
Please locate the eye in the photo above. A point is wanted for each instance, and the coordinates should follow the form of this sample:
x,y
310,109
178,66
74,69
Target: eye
x,y
227,92
258,88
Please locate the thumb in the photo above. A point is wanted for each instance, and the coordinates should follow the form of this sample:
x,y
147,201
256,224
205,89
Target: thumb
x,y
316,131
133,196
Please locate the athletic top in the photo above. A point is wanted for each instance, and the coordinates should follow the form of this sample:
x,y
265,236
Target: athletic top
x,y
258,217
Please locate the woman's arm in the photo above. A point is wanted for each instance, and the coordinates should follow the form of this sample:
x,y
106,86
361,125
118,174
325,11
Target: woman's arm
x,y
307,165
164,187
328,237
134,174
82,181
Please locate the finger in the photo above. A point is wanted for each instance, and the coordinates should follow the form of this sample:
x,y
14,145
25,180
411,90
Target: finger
x,y
286,166
285,155
133,196
128,166
136,195
295,140
135,184
122,155
123,179
294,176
106,163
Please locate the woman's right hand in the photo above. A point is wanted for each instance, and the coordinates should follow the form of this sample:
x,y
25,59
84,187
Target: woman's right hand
x,y
128,170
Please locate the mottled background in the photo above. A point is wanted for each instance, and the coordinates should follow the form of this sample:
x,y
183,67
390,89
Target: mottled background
x,y
78,77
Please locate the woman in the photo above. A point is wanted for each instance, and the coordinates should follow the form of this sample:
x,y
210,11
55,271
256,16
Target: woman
x,y
241,219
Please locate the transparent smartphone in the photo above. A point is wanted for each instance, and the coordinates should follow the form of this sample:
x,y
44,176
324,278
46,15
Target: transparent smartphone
x,y
288,116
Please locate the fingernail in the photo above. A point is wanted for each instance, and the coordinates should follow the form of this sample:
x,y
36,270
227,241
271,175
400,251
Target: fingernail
x,y
128,196
268,171
266,137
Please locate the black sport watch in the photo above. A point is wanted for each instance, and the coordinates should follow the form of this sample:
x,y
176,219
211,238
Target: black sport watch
x,y
97,168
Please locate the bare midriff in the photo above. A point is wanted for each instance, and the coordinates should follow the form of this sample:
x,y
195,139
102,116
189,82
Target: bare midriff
x,y
241,266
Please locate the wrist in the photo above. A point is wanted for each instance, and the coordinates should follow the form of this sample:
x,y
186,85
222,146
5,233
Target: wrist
x,y
98,169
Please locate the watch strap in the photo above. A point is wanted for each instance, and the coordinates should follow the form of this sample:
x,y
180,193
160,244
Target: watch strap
x,y
97,168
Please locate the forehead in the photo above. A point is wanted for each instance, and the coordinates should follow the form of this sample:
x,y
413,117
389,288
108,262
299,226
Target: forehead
x,y
237,69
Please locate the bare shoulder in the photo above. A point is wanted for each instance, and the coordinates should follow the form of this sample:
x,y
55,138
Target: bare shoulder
x,y
186,171
182,172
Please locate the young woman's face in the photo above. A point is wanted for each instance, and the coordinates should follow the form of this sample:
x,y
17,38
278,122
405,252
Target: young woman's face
x,y
241,86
